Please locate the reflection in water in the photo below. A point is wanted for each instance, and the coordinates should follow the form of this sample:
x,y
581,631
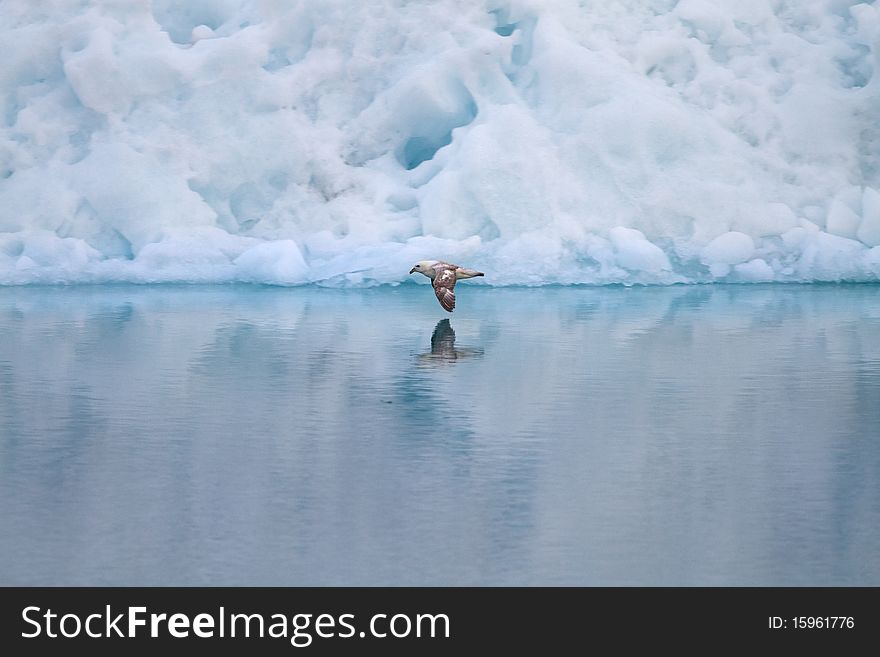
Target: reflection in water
x,y
443,349
248,435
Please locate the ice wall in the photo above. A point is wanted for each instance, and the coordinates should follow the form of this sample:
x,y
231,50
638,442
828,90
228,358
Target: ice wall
x,y
334,141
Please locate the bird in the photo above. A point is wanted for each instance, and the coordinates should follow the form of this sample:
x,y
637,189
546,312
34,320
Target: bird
x,y
443,277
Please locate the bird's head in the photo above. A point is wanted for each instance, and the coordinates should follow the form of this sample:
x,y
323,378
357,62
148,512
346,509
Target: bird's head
x,y
425,267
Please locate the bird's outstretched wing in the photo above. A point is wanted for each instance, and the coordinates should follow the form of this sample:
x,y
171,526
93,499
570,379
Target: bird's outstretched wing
x,y
443,283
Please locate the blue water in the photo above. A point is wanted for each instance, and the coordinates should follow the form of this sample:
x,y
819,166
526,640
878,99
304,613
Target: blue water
x,y
699,435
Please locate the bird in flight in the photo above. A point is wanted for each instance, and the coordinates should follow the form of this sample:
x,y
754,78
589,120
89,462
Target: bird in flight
x,y
443,277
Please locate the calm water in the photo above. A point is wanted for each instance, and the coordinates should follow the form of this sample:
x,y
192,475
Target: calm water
x,y
263,436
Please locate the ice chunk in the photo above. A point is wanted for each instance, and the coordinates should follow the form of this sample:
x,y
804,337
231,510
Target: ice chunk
x,y
636,253
832,258
755,271
278,262
731,248
201,32
842,220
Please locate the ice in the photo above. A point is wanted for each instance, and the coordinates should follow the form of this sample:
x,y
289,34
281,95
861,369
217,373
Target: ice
x,y
869,228
543,142
636,253
754,271
278,262
729,249
842,219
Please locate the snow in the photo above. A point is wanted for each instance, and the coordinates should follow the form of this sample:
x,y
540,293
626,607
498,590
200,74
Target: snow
x,y
543,142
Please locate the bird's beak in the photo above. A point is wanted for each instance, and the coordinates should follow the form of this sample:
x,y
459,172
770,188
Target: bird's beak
x,y
412,270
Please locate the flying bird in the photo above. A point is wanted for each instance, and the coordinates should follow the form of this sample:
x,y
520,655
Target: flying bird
x,y
443,277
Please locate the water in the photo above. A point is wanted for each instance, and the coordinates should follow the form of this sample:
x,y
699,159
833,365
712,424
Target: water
x,y
699,435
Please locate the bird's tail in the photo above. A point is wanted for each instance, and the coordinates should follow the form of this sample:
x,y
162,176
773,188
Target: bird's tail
x,y
468,273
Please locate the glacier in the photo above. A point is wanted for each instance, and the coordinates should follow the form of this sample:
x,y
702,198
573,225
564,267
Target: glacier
x,y
337,142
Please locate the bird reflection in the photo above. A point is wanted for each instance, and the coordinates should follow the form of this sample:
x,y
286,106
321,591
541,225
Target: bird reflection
x,y
443,349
